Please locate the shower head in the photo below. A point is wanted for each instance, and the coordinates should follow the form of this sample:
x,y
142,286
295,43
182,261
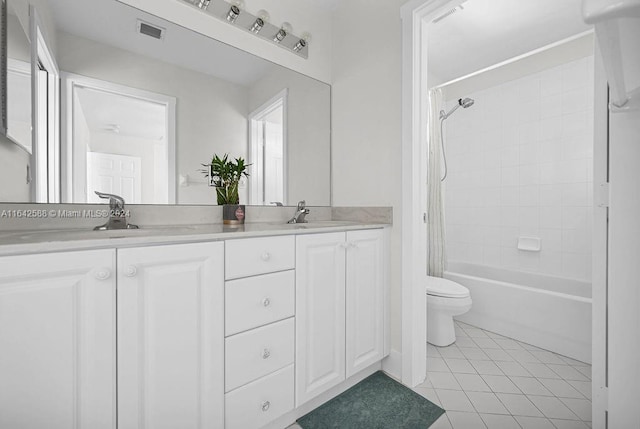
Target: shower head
x,y
465,103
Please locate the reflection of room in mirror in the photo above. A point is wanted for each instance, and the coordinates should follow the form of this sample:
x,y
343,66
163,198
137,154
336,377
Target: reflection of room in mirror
x,y
267,145
19,102
214,94
15,150
18,80
127,139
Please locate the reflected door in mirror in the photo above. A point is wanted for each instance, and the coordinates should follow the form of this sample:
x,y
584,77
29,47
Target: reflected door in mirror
x,y
267,152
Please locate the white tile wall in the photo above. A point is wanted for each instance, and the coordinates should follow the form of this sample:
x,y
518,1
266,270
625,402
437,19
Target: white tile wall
x,y
520,163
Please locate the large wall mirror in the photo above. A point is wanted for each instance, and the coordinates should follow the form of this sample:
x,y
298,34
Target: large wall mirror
x,y
18,77
144,103
16,141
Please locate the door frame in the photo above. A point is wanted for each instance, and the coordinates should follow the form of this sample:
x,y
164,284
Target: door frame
x,y
45,147
416,16
72,156
255,179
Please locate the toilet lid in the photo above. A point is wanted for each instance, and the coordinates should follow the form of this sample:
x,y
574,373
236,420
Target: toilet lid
x,y
437,286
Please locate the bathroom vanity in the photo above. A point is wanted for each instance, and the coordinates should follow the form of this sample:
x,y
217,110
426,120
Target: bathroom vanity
x,y
197,327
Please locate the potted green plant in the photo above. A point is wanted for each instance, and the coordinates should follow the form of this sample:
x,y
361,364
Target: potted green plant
x,y
225,174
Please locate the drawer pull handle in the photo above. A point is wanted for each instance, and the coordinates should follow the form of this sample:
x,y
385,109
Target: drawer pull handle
x,y
131,271
266,302
266,353
266,256
265,406
103,274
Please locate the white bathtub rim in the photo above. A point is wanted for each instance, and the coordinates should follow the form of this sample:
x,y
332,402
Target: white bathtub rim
x,y
449,275
583,287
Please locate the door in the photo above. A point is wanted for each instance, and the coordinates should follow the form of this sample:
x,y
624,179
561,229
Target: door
x,y
108,118
114,174
57,340
171,337
268,147
320,314
364,299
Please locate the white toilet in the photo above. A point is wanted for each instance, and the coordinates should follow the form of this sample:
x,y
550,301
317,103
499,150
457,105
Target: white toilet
x,y
445,299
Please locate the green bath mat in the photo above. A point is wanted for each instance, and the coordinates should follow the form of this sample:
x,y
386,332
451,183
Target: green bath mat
x,y
377,402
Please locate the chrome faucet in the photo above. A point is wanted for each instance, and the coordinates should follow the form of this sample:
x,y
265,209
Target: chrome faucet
x,y
117,214
301,212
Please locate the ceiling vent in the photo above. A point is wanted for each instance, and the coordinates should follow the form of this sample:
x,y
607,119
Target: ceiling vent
x,y
150,30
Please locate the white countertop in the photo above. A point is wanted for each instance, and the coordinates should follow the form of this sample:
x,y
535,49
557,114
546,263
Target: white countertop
x,y
39,241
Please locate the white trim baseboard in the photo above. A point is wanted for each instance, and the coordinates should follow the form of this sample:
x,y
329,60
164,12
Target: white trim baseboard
x,y
392,364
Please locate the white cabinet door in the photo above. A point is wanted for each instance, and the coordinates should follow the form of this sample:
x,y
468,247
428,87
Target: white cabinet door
x,y
365,299
57,340
320,307
171,337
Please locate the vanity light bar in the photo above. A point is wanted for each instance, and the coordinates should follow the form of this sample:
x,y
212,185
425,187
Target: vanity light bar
x,y
234,15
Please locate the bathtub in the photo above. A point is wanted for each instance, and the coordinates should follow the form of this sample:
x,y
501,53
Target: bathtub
x,y
548,312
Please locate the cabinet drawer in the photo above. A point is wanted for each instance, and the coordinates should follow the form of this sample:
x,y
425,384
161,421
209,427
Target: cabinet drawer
x,y
252,256
258,352
257,301
260,402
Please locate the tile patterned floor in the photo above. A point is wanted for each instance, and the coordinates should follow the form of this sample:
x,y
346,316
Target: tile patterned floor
x,y
486,380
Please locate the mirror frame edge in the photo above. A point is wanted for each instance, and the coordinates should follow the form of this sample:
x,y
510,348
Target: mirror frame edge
x,y
3,67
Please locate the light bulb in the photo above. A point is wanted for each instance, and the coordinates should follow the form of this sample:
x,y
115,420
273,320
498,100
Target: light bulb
x,y
203,4
302,43
285,29
234,11
263,17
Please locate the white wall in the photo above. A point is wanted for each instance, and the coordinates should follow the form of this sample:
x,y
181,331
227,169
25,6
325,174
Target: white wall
x,y
13,172
18,46
561,53
624,270
206,106
366,120
47,25
304,15
308,133
520,164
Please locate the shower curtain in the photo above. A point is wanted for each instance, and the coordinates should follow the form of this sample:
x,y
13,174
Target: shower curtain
x,y
435,209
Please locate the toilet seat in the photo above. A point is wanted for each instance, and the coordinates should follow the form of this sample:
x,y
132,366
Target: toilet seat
x,y
444,288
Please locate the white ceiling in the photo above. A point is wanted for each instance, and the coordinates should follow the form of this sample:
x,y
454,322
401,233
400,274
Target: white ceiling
x,y
113,23
488,32
132,117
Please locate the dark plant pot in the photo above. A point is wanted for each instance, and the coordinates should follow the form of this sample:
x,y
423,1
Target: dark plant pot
x,y
233,214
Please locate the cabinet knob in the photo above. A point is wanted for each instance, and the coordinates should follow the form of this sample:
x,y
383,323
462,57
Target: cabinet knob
x,y
343,245
353,245
103,273
266,256
131,271
266,302
266,405
266,353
